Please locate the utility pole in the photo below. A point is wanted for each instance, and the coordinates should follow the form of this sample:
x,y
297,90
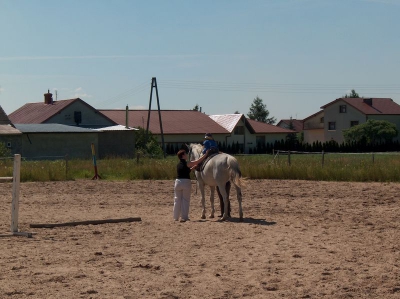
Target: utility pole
x,y
154,85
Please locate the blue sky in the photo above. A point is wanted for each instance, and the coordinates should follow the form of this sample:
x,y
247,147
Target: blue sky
x,y
296,55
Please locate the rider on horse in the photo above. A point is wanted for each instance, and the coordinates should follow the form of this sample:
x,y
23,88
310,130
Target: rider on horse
x,y
209,145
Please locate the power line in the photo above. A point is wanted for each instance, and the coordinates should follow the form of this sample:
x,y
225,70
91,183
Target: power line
x,y
127,94
278,88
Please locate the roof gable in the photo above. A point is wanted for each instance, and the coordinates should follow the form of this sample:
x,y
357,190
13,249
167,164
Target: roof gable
x,y
37,113
297,124
377,105
228,121
173,121
260,127
4,120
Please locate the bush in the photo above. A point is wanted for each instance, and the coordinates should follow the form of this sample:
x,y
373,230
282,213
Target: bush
x,y
4,151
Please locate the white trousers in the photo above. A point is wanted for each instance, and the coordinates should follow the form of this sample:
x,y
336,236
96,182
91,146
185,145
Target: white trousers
x,y
182,190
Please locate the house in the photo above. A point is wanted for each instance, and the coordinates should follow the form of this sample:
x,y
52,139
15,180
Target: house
x,y
178,126
72,112
10,136
173,127
313,128
343,113
55,141
186,126
56,128
249,133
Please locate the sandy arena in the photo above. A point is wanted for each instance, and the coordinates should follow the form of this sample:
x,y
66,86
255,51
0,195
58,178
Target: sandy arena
x,y
299,239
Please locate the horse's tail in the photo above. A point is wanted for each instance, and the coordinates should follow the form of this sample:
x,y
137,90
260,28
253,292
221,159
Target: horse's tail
x,y
234,171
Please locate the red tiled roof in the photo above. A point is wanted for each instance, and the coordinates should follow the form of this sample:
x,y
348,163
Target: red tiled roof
x,y
260,127
37,113
379,105
173,121
297,124
4,120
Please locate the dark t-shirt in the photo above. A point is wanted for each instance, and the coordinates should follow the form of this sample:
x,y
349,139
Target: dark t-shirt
x,y
183,170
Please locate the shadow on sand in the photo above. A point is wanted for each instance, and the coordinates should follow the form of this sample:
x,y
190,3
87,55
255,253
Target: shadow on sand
x,y
252,221
245,220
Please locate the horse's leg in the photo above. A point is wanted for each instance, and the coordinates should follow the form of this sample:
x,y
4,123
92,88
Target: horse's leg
x,y
212,202
228,190
221,203
239,198
221,200
222,190
203,200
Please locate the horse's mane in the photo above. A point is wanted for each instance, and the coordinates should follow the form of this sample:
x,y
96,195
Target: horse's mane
x,y
196,147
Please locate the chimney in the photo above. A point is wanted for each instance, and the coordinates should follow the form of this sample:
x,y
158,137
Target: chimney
x,y
126,117
368,101
48,97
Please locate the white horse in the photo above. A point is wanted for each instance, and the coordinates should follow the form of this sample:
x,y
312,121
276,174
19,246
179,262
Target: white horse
x,y
217,171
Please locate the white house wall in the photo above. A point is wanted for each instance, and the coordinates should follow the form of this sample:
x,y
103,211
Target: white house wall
x,y
314,128
90,117
311,136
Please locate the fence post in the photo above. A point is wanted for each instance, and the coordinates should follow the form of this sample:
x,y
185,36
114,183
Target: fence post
x,y
373,158
66,167
289,157
323,158
15,193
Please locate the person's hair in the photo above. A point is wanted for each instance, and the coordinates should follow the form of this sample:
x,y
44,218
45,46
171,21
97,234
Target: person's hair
x,y
181,153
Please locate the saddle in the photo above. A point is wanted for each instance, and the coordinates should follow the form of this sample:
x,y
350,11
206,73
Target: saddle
x,y
200,167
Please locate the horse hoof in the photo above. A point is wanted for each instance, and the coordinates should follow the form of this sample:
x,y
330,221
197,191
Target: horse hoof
x,y
203,217
211,216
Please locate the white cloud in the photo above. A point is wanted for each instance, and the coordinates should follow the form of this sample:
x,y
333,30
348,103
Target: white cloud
x,y
82,95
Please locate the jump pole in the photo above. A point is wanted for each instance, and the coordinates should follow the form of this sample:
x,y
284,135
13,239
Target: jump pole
x,y
96,175
15,200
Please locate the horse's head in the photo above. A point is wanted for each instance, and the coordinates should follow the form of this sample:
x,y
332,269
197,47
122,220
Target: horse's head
x,y
194,151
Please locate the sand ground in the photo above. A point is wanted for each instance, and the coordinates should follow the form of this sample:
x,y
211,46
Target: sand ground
x,y
299,239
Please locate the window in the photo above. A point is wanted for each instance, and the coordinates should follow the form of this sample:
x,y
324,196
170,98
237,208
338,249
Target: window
x,y
342,109
239,130
77,117
332,126
321,120
353,123
9,144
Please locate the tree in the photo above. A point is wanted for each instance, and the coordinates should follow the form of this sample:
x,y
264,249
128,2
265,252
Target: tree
x,y
291,137
151,147
353,94
196,108
236,112
371,132
4,151
258,111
